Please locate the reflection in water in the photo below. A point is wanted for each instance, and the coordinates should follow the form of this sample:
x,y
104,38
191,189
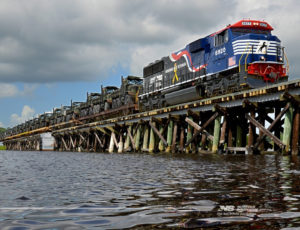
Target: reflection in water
x,y
61,190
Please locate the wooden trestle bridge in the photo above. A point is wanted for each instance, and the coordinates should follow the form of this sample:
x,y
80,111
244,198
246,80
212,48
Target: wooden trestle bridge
x,y
252,121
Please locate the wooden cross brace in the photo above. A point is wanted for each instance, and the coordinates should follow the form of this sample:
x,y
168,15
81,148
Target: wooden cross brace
x,y
201,129
131,138
158,133
98,139
265,131
198,127
270,128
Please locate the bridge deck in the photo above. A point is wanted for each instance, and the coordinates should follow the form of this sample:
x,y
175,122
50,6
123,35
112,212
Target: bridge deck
x,y
232,110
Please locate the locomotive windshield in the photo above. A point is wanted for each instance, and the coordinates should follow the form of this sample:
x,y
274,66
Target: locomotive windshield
x,y
241,31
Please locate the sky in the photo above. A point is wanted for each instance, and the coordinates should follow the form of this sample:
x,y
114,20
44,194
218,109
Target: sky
x,y
55,51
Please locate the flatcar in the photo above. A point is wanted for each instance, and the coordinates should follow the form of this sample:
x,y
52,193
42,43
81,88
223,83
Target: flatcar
x,y
240,56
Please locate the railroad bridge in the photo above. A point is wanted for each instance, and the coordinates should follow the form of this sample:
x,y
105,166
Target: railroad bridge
x,y
252,121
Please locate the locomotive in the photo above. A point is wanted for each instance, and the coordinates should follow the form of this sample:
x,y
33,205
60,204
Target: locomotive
x,y
241,56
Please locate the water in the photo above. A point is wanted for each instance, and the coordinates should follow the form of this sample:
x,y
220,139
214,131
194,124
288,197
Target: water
x,y
61,190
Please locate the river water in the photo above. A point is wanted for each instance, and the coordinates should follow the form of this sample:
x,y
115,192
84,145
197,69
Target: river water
x,y
65,190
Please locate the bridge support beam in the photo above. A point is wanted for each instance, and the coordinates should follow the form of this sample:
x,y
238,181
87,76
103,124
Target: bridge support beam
x,y
287,130
146,139
127,141
152,138
120,144
138,137
112,142
174,137
296,124
161,146
169,136
216,138
189,136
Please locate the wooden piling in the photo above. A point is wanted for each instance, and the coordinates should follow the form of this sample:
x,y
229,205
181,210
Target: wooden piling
x,y
203,141
174,137
230,136
138,138
111,143
189,136
121,144
251,131
127,141
223,131
161,146
181,140
152,139
216,134
239,136
169,136
295,136
262,122
287,130
146,138
277,128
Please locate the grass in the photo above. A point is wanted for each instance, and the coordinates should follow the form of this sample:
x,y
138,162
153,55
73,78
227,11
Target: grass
x,y
2,147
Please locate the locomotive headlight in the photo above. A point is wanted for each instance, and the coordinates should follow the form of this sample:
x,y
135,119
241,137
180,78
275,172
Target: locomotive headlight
x,y
262,58
280,59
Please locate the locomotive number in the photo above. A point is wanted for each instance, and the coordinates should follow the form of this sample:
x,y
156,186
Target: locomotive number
x,y
220,51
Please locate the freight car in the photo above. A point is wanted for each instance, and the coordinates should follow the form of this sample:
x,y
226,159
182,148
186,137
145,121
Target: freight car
x,y
240,56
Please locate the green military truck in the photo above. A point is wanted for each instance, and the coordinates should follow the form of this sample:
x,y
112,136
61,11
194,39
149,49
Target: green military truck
x,y
127,95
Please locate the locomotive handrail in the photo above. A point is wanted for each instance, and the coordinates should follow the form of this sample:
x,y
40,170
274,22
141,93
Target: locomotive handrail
x,y
242,56
287,63
251,49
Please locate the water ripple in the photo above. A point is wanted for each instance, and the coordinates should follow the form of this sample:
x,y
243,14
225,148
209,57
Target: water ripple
x,y
63,190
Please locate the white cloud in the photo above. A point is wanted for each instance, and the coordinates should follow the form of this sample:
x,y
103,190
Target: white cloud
x,y
11,90
75,40
1,124
26,114
8,90
28,89
63,40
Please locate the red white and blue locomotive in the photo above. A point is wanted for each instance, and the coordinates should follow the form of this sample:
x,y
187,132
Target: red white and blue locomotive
x,y
241,56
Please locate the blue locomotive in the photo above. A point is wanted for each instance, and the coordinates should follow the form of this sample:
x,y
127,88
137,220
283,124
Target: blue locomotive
x,y
241,56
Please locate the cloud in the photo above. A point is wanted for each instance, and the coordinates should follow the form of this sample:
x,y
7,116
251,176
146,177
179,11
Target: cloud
x,y
75,40
8,90
26,114
52,41
11,90
1,125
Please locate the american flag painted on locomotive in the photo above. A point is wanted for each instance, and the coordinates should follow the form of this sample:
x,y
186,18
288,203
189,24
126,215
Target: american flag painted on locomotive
x,y
176,56
259,47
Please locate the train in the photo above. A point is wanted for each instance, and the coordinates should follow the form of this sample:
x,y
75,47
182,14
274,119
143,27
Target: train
x,y
241,56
